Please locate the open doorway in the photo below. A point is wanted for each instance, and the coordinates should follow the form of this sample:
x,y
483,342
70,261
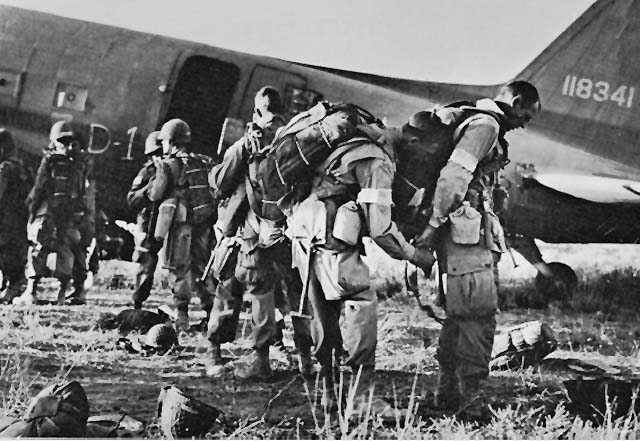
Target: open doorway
x,y
201,97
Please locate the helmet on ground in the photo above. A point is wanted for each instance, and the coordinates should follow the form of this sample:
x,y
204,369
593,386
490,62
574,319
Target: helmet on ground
x,y
175,130
181,416
59,130
161,337
152,144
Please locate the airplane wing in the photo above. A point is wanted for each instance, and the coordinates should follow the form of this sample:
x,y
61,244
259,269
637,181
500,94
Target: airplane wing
x,y
592,188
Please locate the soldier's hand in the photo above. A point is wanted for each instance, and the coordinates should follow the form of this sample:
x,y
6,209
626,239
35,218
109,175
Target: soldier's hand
x,y
157,162
423,259
425,240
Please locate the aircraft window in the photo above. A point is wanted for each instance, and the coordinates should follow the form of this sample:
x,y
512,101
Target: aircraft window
x,y
299,100
9,83
69,96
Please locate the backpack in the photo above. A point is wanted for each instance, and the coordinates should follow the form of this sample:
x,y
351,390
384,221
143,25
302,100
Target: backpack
x,y
20,182
418,167
307,141
65,188
197,194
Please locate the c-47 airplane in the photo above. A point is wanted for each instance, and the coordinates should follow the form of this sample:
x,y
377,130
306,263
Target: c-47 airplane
x,y
574,174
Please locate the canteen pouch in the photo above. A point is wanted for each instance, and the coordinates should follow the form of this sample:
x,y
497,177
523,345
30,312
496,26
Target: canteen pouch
x,y
347,226
466,223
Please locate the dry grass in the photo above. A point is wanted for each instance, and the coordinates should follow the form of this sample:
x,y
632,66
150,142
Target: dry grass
x,y
48,343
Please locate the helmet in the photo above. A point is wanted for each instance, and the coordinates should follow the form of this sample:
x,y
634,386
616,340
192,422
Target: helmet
x,y
61,129
421,120
7,146
181,416
151,145
161,337
175,130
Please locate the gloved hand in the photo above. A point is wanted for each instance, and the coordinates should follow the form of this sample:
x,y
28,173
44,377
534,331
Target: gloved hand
x,y
425,240
423,259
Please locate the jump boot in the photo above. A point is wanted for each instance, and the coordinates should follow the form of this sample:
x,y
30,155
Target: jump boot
x,y
447,396
79,294
471,406
11,291
29,296
258,366
64,284
363,399
182,320
213,362
305,362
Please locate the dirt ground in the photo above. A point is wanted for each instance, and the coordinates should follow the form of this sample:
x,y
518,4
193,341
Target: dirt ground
x,y
44,343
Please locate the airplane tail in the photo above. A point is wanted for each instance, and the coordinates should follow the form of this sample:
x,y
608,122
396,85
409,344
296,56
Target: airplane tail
x,y
591,70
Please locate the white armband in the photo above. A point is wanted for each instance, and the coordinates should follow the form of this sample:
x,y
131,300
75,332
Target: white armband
x,y
465,159
380,196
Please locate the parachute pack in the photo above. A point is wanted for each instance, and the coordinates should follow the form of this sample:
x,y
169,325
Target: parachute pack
x,y
198,196
19,183
63,181
306,141
418,165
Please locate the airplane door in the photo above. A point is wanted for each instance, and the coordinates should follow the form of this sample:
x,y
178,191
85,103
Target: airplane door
x,y
201,96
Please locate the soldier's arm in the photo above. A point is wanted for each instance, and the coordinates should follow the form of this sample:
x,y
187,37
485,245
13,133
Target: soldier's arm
x,y
376,179
34,196
4,179
225,177
137,195
159,182
479,137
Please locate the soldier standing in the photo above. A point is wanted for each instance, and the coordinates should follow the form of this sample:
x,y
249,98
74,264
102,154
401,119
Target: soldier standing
x,y
147,246
264,260
57,216
188,209
462,207
15,180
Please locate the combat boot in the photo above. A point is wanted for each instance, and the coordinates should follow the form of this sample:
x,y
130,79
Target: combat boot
x,y
258,366
79,294
471,407
361,398
213,362
305,362
64,284
29,296
11,292
447,396
182,320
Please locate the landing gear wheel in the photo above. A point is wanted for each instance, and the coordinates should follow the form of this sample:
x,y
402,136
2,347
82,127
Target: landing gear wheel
x,y
561,287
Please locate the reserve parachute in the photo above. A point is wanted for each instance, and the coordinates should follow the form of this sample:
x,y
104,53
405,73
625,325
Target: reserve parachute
x,y
197,195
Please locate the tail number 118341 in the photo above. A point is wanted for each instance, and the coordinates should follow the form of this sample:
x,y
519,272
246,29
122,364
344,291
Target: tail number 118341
x,y
599,91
